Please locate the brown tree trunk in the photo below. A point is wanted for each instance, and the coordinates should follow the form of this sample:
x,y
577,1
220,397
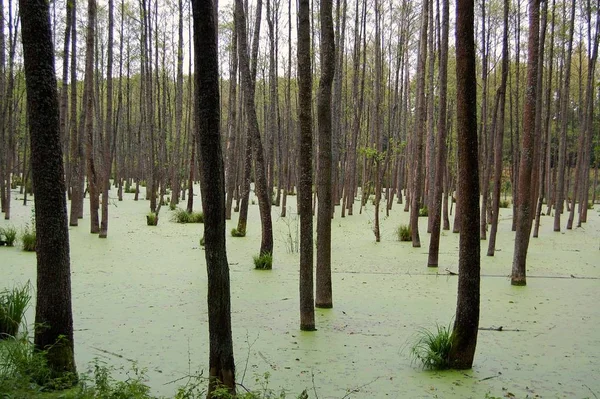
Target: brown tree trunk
x,y
435,213
324,297
524,205
464,334
307,311
53,314
208,138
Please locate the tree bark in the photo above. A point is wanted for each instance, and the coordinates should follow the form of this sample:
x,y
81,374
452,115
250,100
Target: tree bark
x,y
307,311
464,334
53,314
212,179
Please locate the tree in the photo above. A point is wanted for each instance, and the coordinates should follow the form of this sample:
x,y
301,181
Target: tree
x,y
305,180
324,190
262,190
53,313
525,205
208,138
467,306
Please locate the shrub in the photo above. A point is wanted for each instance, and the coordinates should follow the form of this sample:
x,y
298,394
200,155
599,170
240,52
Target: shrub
x,y
28,239
404,233
183,216
263,262
152,219
10,235
504,203
424,211
13,304
238,233
432,348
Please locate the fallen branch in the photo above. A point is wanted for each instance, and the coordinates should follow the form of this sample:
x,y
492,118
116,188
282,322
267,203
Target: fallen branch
x,y
499,329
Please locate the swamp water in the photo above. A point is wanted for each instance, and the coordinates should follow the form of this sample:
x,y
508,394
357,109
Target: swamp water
x,y
140,295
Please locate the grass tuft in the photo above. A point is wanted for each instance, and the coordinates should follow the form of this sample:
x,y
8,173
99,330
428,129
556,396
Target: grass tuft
x,y
8,235
432,348
13,305
152,219
183,216
263,262
28,239
424,211
404,233
504,203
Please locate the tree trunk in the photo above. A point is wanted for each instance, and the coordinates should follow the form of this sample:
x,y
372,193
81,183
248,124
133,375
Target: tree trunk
x,y
307,311
53,314
524,205
464,334
324,190
212,179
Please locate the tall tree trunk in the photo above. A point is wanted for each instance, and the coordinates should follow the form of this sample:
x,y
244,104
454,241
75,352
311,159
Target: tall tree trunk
x,y
421,123
53,313
436,210
76,142
564,119
499,135
307,311
108,138
524,205
324,297
464,334
206,76
232,147
88,102
261,186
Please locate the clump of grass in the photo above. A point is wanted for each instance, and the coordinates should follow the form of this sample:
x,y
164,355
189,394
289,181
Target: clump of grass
x,y
590,205
432,348
424,211
172,206
8,235
238,233
264,261
504,203
404,233
13,305
183,216
28,239
152,219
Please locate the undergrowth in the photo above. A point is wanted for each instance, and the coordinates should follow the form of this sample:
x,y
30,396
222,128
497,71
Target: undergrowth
x,y
183,216
404,233
264,261
8,235
13,304
432,348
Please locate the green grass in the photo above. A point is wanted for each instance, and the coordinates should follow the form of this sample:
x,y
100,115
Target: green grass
x,y
24,374
8,234
424,211
237,233
404,233
504,203
28,239
152,219
183,216
13,305
432,348
263,262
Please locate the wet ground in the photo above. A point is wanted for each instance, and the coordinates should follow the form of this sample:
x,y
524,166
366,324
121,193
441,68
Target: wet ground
x,y
140,295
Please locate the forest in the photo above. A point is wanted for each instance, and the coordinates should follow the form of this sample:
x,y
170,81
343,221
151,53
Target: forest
x,y
430,165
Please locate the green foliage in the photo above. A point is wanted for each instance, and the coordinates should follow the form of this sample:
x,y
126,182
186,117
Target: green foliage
x,y
263,262
130,189
16,182
504,203
404,233
590,205
372,153
8,234
172,206
202,241
28,239
424,211
152,219
183,216
432,348
13,305
238,233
